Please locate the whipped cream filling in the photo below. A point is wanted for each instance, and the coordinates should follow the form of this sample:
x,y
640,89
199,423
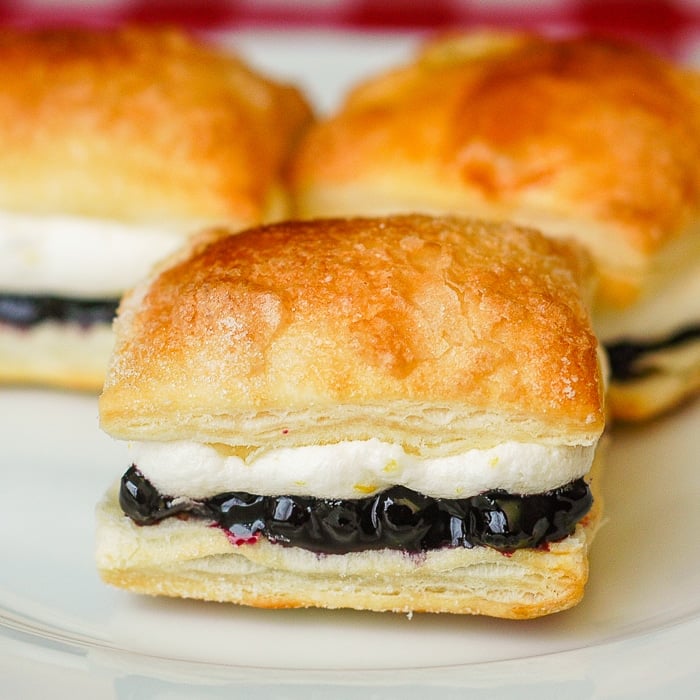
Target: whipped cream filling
x,y
79,256
356,469
670,308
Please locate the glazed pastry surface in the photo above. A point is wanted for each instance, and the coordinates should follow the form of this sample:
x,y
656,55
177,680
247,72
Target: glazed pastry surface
x,y
432,333
139,125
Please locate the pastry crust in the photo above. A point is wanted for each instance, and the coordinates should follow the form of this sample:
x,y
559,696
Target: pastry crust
x,y
140,125
577,137
435,333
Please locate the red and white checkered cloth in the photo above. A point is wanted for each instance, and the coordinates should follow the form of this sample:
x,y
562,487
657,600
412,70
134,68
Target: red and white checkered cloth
x,y
668,25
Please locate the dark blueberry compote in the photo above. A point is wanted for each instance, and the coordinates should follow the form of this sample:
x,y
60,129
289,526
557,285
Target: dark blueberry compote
x,y
397,518
626,356
24,311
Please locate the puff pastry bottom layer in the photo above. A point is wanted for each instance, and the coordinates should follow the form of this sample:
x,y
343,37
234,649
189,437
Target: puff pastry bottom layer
x,y
675,380
54,354
190,559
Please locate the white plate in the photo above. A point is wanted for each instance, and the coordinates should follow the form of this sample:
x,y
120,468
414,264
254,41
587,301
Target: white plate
x,y
59,622
64,634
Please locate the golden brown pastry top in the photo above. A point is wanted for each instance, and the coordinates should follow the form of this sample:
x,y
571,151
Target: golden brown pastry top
x,y
424,331
139,124
580,137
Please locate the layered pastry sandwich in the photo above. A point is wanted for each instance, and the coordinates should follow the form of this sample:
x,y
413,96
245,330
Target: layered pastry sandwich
x,y
583,138
390,414
114,146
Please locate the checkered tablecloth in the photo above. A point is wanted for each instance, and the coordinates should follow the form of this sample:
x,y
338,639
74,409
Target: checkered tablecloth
x,y
669,26
666,24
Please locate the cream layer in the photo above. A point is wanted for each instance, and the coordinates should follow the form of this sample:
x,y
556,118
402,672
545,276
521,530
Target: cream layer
x,y
354,469
80,257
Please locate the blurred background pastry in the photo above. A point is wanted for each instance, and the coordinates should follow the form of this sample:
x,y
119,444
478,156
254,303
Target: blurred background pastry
x,y
114,146
598,140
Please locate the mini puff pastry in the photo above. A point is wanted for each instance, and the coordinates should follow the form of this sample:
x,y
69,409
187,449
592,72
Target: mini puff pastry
x,y
114,146
593,139
320,365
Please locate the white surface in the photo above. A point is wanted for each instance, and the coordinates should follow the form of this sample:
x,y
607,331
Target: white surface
x,y
63,634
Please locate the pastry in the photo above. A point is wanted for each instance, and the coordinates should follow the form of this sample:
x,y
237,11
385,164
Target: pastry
x,y
398,413
115,145
579,137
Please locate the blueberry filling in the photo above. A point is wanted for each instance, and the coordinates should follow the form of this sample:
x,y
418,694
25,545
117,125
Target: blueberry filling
x,y
24,311
625,356
397,518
